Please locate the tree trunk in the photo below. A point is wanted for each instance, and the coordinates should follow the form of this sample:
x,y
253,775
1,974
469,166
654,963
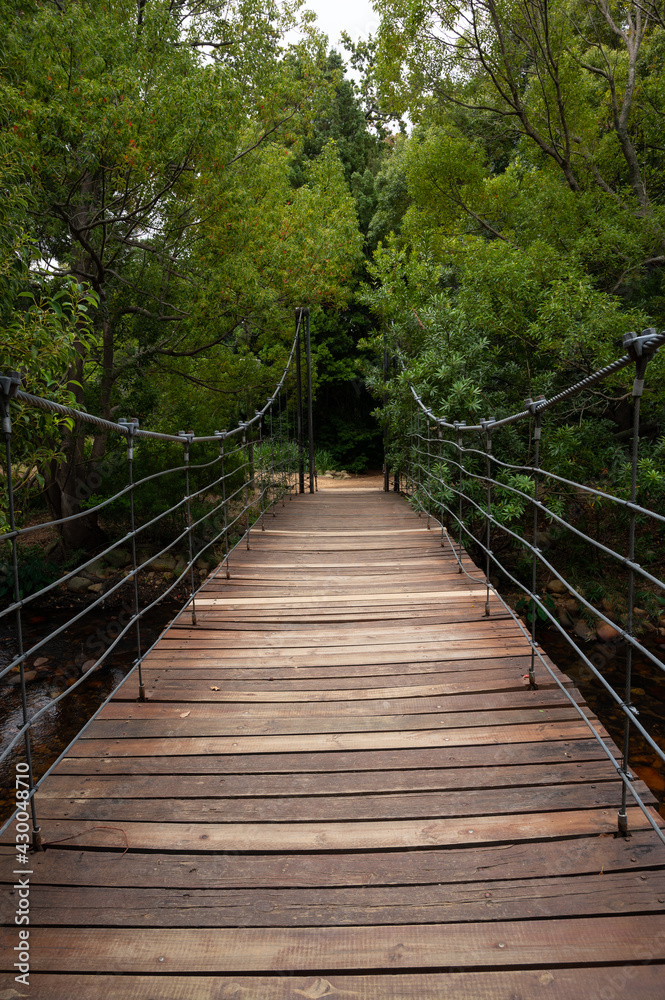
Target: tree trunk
x,y
71,479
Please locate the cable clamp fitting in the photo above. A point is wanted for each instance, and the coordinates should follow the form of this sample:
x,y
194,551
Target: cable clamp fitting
x,y
638,345
9,383
131,425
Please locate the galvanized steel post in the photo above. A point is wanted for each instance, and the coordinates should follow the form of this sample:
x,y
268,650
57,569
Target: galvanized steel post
x,y
9,384
530,405
636,348
487,426
299,428
310,412
132,427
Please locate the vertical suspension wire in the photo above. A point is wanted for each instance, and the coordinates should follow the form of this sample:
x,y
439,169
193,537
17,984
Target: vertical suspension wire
x,y
439,434
638,386
284,443
386,468
132,426
6,385
488,536
225,513
460,486
299,420
187,439
428,475
417,440
258,463
246,477
310,407
534,560
274,467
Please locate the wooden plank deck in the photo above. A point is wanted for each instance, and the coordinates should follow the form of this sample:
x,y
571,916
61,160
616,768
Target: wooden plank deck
x,y
340,785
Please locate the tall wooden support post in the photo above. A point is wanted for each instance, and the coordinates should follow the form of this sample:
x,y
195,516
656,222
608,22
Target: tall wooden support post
x,y
310,413
299,435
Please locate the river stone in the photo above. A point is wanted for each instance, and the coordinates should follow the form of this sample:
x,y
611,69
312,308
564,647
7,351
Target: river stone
x,y
118,557
607,633
571,606
203,564
78,584
95,588
95,569
87,665
582,630
40,661
556,587
163,563
180,568
564,617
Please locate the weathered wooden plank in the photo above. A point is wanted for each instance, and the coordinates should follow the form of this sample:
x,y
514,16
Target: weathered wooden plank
x,y
360,654
327,836
351,623
413,700
463,651
191,727
473,666
547,752
534,943
315,742
350,598
641,853
434,672
189,638
643,982
590,895
154,786
323,808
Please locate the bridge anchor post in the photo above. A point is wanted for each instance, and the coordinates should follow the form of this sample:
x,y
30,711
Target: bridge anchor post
x,y
9,385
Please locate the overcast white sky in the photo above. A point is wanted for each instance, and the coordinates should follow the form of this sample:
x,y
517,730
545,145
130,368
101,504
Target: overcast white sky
x,y
335,16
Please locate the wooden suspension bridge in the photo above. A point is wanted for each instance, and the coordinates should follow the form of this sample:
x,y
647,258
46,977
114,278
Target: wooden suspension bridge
x,y
340,785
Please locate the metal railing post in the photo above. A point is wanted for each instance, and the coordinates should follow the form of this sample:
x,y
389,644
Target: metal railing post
x,y
9,385
274,469
299,428
536,551
638,386
262,509
310,411
428,474
386,468
458,426
222,436
132,427
188,440
487,425
246,477
439,435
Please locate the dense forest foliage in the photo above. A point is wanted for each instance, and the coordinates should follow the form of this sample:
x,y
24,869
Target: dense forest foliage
x,y
486,195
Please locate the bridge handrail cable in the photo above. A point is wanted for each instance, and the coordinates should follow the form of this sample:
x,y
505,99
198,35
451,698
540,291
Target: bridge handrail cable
x,y
435,494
